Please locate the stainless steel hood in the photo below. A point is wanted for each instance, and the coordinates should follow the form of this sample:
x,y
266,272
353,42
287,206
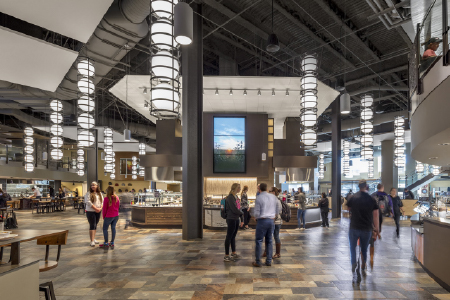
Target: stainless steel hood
x,y
159,174
298,174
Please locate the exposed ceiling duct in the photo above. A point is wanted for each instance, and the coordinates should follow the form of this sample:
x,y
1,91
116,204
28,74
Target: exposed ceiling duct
x,y
378,88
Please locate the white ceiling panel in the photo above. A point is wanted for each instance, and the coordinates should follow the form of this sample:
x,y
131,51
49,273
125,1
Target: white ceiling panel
x,y
76,19
32,62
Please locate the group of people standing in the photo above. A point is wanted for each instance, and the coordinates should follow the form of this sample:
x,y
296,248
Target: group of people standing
x,y
108,206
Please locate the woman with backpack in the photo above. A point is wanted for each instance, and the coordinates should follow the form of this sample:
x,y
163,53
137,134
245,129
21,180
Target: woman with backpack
x,y
110,213
324,209
233,214
245,208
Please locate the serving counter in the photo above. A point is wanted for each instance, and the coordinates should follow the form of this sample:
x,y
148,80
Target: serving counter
x,y
430,244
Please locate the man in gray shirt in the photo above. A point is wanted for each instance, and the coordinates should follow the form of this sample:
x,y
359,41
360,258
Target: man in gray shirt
x,y
266,208
301,212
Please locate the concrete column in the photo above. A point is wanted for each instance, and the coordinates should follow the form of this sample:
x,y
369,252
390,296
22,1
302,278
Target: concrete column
x,y
410,166
192,117
92,161
336,158
389,174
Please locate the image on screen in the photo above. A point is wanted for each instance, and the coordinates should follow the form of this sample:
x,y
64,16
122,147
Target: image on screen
x,y
229,145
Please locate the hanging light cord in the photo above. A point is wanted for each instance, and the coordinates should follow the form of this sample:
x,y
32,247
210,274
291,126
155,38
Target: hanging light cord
x,y
272,16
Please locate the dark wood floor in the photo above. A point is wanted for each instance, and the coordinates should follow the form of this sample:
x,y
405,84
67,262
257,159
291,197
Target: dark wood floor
x,y
157,264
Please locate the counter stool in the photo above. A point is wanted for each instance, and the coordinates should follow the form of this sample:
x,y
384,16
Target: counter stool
x,y
47,288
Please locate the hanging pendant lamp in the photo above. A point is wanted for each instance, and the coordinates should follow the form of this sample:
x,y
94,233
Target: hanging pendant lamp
x,y
272,42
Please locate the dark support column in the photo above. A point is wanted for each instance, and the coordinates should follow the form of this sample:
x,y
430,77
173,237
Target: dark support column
x,y
192,117
91,159
389,174
336,158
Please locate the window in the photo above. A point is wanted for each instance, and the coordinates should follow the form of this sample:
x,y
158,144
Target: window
x,y
229,145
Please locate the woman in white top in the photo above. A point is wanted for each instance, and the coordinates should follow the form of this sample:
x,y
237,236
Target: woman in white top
x,y
93,204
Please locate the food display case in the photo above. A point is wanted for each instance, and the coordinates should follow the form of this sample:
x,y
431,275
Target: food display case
x,y
157,210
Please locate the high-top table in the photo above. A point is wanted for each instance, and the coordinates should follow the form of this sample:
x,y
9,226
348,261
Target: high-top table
x,y
43,237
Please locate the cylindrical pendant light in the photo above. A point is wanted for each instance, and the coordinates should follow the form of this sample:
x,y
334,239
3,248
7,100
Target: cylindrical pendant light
x,y
183,23
29,149
142,149
367,127
419,167
321,166
308,100
346,158
127,135
345,103
399,142
85,104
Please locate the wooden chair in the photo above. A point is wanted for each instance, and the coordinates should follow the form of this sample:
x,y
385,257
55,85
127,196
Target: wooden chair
x,y
35,205
57,240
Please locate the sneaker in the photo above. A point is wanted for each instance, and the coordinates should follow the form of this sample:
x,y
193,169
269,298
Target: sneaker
x,y
302,229
364,272
269,264
104,246
97,242
298,228
92,244
227,258
111,246
255,264
235,256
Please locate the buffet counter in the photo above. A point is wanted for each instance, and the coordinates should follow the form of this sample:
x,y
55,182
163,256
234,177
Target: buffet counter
x,y
430,245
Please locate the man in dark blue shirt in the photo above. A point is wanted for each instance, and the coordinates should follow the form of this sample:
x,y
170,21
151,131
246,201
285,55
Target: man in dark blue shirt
x,y
363,223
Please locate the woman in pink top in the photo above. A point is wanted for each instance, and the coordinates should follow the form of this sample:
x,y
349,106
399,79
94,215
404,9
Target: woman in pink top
x,y
110,216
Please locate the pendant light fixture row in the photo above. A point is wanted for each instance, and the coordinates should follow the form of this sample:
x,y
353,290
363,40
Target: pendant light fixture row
x,y
165,56
321,166
134,168
399,142
419,167
29,149
308,101
56,129
108,142
367,127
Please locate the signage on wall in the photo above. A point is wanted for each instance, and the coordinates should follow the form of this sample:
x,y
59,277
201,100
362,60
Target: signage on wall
x,y
424,191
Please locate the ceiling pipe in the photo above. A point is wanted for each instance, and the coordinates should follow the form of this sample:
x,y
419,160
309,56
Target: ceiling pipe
x,y
378,88
356,123
387,10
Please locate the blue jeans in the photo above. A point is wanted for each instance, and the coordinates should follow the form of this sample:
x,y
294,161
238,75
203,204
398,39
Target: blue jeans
x,y
364,239
276,234
106,223
264,229
302,213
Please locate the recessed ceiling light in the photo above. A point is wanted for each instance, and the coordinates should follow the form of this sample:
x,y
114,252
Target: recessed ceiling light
x,y
245,92
217,92
433,157
444,144
231,92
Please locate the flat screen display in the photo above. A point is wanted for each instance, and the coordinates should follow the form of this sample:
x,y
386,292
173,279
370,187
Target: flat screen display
x,y
229,145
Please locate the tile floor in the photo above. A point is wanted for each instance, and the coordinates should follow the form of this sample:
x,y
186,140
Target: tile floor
x,y
158,264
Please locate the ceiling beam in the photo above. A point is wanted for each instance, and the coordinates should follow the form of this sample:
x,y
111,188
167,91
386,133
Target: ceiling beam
x,y
398,69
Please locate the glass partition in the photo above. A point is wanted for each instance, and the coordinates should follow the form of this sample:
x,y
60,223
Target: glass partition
x,y
430,37
15,153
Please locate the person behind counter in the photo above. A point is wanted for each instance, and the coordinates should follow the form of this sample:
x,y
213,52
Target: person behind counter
x,y
301,212
245,208
324,209
233,211
61,193
93,205
51,192
36,193
110,213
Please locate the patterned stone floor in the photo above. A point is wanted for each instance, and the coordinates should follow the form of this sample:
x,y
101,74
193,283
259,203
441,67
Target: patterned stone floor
x,y
158,264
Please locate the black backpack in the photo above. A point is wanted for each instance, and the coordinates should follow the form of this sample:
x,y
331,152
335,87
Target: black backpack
x,y
285,212
223,209
383,204
11,222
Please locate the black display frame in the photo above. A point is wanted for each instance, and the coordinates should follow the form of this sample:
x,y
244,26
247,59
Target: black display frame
x,y
245,138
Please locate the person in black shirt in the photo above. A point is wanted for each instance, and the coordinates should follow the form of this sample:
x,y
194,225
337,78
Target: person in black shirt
x,y
324,209
363,222
51,192
408,194
397,209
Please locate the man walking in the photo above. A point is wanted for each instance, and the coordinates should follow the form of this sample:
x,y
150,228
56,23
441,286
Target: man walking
x,y
301,212
363,221
266,208
383,202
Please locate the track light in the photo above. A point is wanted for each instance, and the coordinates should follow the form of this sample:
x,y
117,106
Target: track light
x,y
145,90
245,92
259,92
273,92
231,92
287,92
217,92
